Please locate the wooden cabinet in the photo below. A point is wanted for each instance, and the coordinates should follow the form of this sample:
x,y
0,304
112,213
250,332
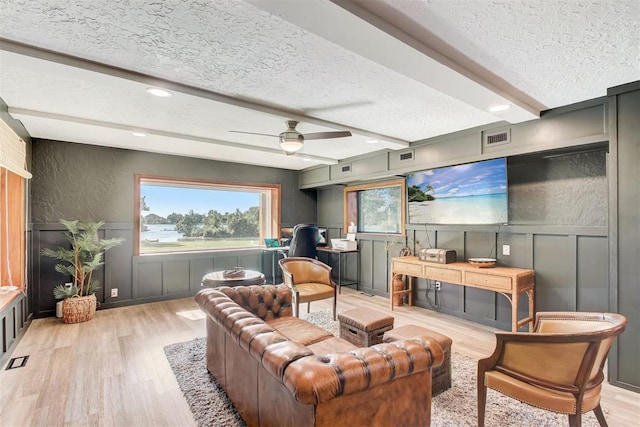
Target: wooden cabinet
x,y
508,281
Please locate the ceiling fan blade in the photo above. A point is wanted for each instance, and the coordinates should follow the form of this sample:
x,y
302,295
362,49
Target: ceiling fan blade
x,y
253,133
327,135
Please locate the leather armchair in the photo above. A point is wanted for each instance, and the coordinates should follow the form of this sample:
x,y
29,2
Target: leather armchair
x,y
557,367
309,280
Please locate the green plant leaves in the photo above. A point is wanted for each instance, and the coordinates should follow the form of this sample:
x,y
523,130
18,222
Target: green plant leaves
x,y
85,256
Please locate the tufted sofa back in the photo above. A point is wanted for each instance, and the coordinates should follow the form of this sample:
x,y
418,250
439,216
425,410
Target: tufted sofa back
x,y
267,302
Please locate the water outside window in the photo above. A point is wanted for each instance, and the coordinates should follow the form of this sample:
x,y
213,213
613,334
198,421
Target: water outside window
x,y
178,217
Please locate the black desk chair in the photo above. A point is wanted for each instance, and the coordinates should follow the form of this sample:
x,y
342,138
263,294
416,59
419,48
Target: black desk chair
x,y
304,241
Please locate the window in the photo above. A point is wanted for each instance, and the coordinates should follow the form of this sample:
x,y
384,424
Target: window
x,y
181,215
376,208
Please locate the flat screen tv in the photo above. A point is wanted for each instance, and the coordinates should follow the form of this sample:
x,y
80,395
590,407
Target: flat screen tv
x,y
471,193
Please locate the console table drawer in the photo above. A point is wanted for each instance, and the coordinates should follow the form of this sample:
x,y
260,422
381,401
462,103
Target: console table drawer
x,y
407,268
443,275
488,281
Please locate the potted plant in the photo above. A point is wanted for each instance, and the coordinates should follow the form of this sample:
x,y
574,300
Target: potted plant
x,y
84,257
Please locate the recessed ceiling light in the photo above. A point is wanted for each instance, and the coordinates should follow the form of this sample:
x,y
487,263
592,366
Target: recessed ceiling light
x,y
156,91
306,159
498,108
372,141
140,134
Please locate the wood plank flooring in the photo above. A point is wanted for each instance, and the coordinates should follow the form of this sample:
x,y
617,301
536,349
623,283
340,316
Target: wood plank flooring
x,y
112,371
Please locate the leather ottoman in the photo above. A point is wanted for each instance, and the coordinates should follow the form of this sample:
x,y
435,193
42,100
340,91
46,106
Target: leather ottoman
x,y
364,327
441,376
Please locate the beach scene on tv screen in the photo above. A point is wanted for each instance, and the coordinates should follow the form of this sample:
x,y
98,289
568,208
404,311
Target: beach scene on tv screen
x,y
472,193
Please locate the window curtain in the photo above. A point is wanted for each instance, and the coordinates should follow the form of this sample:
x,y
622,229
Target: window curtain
x,y
13,151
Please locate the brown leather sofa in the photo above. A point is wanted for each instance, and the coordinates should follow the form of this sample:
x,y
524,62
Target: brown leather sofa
x,y
279,370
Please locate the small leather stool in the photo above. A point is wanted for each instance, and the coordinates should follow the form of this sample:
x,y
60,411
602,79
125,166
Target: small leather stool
x,y
364,327
440,376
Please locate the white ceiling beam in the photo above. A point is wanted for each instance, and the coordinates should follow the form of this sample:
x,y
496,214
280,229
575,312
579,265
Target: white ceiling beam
x,y
411,60
97,67
22,113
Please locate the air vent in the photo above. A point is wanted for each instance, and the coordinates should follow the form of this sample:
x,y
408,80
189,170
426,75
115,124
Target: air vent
x,y
17,362
497,138
346,168
408,155
493,138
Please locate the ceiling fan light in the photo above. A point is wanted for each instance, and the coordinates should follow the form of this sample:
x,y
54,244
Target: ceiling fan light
x,y
291,142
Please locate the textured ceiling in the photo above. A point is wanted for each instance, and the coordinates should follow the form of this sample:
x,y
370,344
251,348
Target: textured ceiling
x,y
557,51
235,65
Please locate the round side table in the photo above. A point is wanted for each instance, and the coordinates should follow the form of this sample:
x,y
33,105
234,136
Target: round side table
x,y
215,279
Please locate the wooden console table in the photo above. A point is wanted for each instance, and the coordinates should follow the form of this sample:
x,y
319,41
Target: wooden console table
x,y
508,281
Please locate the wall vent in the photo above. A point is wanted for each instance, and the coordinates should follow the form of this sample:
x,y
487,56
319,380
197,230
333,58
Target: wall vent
x,y
345,168
493,138
407,155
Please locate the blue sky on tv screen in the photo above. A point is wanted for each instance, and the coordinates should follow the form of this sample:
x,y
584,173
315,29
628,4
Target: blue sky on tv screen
x,y
471,179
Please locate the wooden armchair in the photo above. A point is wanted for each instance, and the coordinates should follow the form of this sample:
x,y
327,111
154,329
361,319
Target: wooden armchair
x,y
309,280
558,367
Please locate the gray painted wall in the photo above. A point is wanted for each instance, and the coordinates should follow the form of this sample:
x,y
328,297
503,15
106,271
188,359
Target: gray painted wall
x,y
557,226
625,231
85,181
559,189
77,181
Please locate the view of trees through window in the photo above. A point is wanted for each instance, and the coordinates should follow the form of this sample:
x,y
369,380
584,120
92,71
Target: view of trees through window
x,y
379,210
182,216
378,207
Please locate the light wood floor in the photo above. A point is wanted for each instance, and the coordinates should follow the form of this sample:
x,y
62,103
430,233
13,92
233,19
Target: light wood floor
x,y
112,371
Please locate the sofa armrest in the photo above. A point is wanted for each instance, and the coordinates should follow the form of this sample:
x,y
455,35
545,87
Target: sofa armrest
x,y
319,378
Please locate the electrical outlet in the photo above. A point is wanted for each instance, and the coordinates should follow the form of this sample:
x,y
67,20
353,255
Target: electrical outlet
x,y
114,293
506,249
438,286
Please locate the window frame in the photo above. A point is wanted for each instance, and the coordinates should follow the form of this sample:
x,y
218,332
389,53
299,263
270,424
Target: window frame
x,y
351,208
274,220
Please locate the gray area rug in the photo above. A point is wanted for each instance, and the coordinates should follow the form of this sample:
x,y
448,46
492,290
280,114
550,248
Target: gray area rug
x,y
453,408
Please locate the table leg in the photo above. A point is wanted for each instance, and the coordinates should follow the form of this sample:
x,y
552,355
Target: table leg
x,y
340,273
531,294
391,291
273,267
514,312
410,289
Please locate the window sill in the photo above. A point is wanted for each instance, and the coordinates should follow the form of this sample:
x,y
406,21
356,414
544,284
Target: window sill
x,y
7,297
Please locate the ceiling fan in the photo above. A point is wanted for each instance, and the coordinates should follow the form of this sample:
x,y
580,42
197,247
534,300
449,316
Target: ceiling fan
x,y
291,140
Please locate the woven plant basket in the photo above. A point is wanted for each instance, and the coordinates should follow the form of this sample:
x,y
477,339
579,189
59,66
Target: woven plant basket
x,y
79,309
